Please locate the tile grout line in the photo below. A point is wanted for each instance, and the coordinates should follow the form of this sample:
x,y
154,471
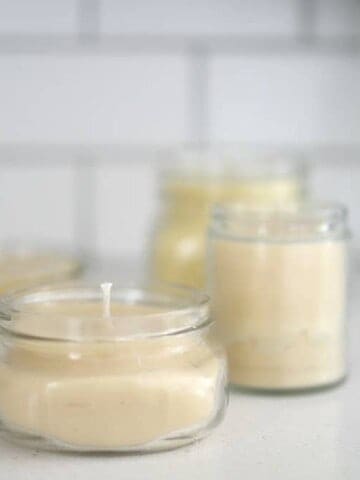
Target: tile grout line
x,y
84,185
92,43
84,208
24,156
198,95
307,21
88,20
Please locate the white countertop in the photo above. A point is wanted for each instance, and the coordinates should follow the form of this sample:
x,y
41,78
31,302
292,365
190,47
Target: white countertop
x,y
303,437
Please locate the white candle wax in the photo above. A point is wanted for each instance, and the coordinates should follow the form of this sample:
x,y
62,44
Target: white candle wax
x,y
103,393
279,294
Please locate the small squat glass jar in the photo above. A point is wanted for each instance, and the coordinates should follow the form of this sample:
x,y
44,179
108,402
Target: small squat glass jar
x,y
26,267
142,372
200,179
278,286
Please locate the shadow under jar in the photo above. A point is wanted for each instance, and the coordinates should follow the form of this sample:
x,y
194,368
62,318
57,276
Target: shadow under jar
x,y
144,374
278,286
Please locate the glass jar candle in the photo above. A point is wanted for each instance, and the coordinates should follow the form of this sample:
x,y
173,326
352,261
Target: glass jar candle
x,y
81,372
25,267
278,286
188,192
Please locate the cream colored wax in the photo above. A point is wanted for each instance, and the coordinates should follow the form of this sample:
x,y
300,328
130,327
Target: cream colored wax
x,y
180,243
21,270
280,309
107,394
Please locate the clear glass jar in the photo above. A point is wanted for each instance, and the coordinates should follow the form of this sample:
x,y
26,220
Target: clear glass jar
x,y
278,288
201,178
146,375
24,267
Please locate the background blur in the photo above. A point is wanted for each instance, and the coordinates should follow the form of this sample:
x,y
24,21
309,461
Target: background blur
x,y
92,92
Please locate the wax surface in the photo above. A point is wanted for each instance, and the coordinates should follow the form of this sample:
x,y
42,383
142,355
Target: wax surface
x,y
280,309
109,395
180,243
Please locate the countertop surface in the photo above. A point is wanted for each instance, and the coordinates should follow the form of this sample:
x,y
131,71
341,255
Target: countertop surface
x,y
297,437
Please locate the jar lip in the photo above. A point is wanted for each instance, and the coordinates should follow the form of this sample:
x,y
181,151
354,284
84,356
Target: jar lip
x,y
173,310
232,162
290,211
303,220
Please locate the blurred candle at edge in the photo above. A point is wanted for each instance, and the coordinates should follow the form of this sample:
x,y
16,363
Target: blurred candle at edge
x,y
25,267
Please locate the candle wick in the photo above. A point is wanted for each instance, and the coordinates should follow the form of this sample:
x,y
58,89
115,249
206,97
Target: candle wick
x,y
106,289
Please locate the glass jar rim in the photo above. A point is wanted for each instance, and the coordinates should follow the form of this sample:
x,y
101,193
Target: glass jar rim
x,y
177,310
302,220
234,162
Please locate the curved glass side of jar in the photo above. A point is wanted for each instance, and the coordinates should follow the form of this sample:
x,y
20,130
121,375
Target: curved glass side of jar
x,y
179,242
27,267
151,376
278,287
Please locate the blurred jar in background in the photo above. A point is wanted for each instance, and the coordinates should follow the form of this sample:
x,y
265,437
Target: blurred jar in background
x,y
197,180
24,267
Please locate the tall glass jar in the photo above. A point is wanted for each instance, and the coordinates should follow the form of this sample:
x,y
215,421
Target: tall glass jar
x,y
278,287
81,371
188,191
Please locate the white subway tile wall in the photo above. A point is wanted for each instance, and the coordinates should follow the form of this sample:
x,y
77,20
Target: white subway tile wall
x,y
38,17
200,17
339,181
125,209
92,99
299,100
157,73
338,17
36,204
